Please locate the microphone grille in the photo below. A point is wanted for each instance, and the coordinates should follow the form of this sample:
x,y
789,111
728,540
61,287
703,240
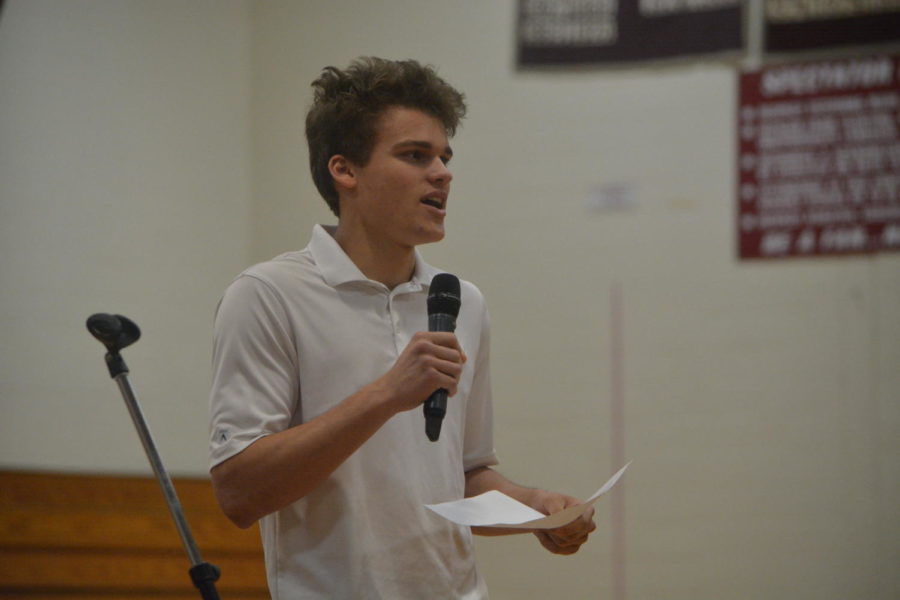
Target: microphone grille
x,y
443,295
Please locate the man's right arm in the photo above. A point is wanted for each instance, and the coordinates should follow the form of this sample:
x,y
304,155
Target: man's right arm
x,y
280,468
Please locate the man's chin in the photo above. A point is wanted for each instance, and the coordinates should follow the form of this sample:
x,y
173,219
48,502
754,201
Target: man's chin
x,y
431,235
437,237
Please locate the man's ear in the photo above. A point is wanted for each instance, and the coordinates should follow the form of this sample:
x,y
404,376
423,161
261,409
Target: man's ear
x,y
342,171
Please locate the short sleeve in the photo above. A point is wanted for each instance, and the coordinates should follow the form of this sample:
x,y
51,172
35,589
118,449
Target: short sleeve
x,y
255,387
478,443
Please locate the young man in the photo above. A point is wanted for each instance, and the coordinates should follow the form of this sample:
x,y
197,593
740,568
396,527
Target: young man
x,y
322,361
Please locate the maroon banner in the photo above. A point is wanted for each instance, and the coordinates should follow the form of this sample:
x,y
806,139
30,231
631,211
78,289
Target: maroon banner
x,y
819,158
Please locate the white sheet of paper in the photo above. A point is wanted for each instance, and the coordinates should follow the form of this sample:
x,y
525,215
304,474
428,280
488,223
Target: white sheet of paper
x,y
496,509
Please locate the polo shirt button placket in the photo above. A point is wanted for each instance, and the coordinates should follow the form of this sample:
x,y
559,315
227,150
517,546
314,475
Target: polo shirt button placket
x,y
395,324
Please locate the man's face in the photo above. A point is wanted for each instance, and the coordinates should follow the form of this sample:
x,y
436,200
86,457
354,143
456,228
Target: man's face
x,y
401,193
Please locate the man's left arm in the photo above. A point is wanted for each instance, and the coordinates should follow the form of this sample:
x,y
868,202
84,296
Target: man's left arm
x,y
562,540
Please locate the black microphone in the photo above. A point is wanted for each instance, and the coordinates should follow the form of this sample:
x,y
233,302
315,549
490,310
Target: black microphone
x,y
443,307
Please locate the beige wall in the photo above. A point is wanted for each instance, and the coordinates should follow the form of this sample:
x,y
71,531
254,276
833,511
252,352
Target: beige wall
x,y
761,399
124,188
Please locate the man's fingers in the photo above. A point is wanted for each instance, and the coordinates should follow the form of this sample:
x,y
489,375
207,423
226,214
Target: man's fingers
x,y
570,537
573,535
443,340
446,379
555,547
443,346
577,528
440,353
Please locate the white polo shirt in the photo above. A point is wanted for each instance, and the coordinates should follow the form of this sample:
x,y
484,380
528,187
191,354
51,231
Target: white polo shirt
x,y
294,337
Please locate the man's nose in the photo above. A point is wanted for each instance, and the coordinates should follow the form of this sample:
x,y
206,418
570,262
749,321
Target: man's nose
x,y
440,172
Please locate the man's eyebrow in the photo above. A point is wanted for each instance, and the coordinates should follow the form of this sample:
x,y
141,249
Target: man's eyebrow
x,y
448,151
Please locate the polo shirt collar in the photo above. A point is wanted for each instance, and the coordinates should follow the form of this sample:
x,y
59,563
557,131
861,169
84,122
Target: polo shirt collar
x,y
337,268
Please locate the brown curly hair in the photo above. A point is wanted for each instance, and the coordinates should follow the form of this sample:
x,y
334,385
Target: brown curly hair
x,y
347,104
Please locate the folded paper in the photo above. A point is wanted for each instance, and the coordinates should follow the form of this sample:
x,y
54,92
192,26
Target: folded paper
x,y
496,509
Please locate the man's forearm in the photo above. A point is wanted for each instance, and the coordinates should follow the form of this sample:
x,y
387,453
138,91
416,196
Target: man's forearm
x,y
485,479
281,468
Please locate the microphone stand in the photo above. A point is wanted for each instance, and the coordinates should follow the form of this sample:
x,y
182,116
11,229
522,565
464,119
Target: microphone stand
x,y
117,332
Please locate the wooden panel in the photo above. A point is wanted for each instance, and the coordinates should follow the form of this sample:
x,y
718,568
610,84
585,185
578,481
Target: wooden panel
x,y
130,595
124,529
72,537
49,570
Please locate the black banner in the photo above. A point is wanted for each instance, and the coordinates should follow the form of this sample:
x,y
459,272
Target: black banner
x,y
795,25
597,31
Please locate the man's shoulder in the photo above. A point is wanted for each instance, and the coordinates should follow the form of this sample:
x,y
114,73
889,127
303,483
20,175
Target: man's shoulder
x,y
284,268
470,289
471,297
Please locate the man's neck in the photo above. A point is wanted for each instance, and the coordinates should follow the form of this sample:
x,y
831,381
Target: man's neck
x,y
386,263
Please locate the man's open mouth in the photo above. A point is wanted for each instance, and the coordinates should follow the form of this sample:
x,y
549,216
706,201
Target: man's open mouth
x,y
435,202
